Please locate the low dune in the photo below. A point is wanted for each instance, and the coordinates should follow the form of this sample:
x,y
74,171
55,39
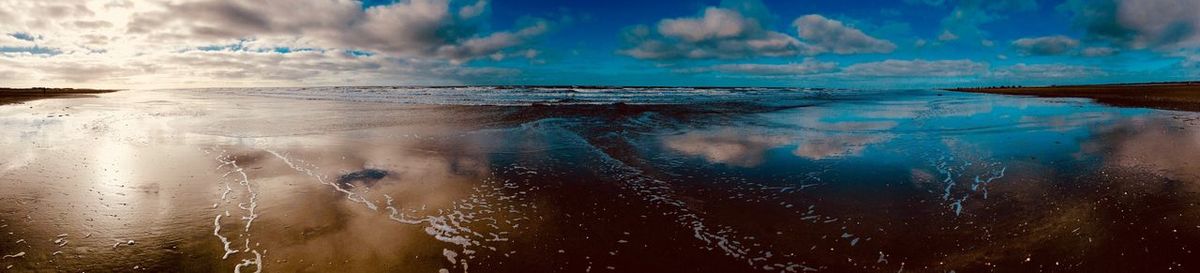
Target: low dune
x,y
1183,96
18,95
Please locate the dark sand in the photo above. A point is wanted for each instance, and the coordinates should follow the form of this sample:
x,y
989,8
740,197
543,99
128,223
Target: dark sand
x,y
18,95
1183,96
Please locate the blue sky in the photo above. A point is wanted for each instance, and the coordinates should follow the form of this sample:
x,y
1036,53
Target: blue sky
x,y
853,44
586,47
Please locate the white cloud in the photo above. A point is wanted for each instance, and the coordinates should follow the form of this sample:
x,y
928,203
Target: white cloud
x,y
473,10
716,24
1048,45
833,36
917,68
718,33
728,33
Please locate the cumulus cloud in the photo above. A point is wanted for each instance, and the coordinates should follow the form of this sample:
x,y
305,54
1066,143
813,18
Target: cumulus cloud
x,y
717,23
268,42
1043,46
718,33
917,68
1162,24
830,35
729,33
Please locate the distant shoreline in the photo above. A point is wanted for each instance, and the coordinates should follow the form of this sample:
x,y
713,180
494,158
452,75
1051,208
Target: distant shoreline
x,y
1182,96
19,95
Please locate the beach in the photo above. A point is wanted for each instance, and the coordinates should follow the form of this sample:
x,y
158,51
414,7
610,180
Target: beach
x,y
528,179
1183,96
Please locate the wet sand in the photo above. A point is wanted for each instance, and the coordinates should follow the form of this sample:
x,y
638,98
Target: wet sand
x,y
1169,96
906,181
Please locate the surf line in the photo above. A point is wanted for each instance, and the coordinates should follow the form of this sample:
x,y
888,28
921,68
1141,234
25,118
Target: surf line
x,y
248,211
988,172
659,193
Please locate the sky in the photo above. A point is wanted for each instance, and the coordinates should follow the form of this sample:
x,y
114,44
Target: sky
x,y
805,43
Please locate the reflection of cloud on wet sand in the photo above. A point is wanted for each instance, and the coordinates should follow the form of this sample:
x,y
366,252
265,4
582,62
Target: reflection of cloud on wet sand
x,y
818,133
1066,122
833,133
405,199
1165,146
732,147
835,146
725,146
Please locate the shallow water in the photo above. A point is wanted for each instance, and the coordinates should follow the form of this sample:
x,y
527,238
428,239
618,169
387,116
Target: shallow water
x,y
595,180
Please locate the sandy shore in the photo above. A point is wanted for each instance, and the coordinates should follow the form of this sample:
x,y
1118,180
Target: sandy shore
x,y
17,95
929,181
1170,96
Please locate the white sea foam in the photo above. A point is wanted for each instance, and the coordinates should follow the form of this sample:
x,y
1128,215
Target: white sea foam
x,y
952,170
246,210
224,240
659,192
256,262
453,225
18,255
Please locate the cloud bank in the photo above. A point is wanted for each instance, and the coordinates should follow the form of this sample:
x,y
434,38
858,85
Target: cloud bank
x,y
267,42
